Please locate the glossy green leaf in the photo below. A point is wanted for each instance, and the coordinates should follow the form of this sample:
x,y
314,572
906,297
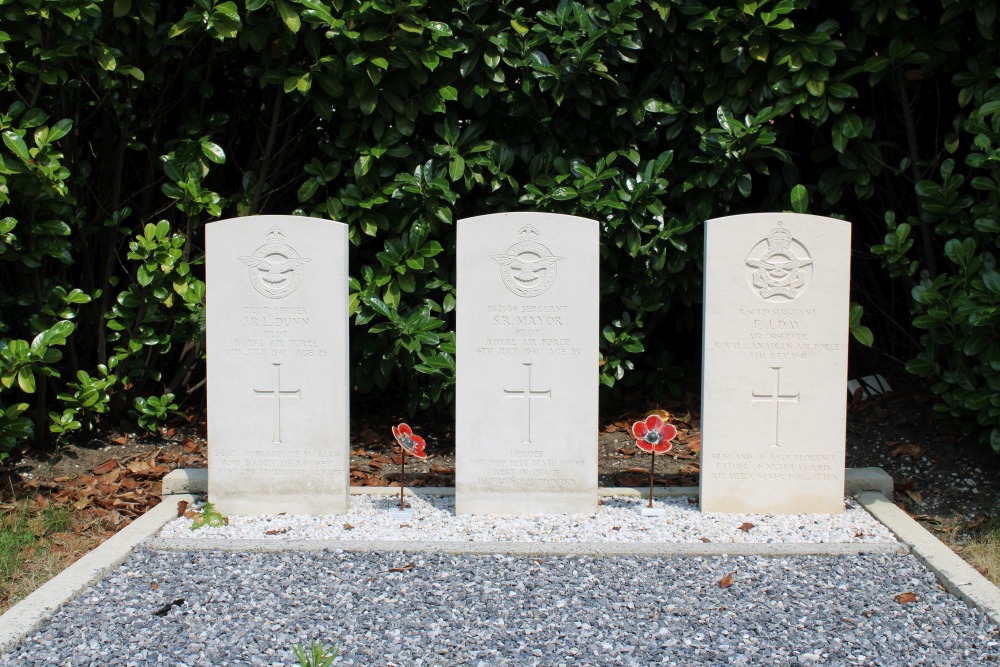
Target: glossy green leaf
x,y
800,199
16,145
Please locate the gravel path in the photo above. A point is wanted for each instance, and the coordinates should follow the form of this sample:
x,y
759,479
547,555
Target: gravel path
x,y
616,521
249,608
195,608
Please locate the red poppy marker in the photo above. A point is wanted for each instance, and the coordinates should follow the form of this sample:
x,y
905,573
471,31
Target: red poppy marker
x,y
411,444
653,435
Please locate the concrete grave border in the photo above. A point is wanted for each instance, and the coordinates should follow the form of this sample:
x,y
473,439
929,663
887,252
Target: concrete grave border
x,y
871,486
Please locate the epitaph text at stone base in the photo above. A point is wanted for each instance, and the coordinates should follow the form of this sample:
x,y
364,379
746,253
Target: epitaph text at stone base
x,y
527,355
277,358
776,318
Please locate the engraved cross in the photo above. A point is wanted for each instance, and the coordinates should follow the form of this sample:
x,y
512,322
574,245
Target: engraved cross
x,y
777,398
277,394
527,394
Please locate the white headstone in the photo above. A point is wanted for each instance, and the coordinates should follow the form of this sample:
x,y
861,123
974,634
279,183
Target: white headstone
x,y
277,357
527,364
777,290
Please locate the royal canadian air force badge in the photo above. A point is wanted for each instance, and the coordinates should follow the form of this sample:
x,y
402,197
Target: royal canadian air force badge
x,y
528,268
779,267
275,268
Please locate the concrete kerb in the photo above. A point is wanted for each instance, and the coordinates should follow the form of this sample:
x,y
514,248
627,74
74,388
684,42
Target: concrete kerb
x,y
856,480
595,549
957,576
28,614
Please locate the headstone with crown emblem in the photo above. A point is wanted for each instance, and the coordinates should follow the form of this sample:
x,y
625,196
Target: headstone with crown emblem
x,y
527,373
776,323
277,358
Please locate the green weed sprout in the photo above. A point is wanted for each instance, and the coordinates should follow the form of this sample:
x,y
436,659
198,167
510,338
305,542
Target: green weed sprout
x,y
208,516
320,655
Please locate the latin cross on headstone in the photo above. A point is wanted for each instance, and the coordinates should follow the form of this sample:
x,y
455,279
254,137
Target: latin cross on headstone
x,y
777,398
277,394
527,394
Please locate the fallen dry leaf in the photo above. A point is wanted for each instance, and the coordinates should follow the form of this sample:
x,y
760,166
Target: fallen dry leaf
x,y
908,449
182,508
276,531
153,586
369,435
403,568
138,466
906,598
704,539
746,527
441,471
105,467
726,581
915,496
348,526
162,611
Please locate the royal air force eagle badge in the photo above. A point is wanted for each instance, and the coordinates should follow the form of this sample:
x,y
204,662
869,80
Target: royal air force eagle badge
x,y
275,268
779,267
528,268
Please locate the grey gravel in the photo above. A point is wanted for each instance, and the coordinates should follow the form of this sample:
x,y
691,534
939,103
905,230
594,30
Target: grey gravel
x,y
249,608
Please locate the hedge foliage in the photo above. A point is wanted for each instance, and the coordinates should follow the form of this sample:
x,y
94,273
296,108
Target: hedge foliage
x,y
130,124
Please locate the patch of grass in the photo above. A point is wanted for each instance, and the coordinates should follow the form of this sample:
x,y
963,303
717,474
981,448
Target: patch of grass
x,y
16,533
37,542
56,519
983,551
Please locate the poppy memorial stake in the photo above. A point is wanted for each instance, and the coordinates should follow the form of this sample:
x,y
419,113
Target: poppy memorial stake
x,y
412,444
653,435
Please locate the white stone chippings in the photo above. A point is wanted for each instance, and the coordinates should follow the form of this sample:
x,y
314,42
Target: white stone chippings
x,y
434,519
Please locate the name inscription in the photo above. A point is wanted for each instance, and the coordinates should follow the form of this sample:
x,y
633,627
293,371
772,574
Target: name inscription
x,y
777,334
274,332
535,331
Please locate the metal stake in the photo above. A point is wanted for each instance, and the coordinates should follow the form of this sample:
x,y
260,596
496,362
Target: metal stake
x,y
402,481
652,462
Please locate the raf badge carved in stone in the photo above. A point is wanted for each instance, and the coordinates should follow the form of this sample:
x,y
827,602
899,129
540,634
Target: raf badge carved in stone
x,y
275,268
528,268
779,267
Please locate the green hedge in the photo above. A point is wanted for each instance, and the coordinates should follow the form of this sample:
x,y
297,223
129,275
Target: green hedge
x,y
133,123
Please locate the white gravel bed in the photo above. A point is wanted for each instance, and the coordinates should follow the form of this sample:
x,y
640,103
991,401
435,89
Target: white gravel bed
x,y
616,520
